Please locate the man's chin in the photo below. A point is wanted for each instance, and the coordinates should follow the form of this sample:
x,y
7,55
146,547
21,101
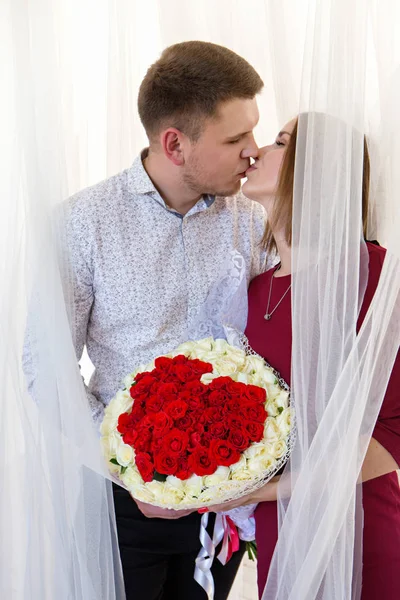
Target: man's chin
x,y
234,189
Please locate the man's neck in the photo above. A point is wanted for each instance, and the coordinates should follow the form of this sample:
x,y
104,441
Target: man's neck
x,y
166,181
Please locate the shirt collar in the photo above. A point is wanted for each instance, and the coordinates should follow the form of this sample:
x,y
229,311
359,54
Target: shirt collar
x,y
140,183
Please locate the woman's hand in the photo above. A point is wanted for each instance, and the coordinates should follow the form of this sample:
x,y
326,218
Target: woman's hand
x,y
266,493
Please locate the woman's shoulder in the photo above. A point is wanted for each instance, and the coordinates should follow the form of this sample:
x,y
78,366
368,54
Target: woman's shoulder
x,y
376,254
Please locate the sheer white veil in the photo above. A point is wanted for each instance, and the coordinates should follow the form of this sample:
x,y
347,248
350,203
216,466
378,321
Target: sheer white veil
x,y
347,55
70,73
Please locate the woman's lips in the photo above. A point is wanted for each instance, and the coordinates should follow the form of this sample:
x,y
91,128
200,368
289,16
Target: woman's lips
x,y
250,169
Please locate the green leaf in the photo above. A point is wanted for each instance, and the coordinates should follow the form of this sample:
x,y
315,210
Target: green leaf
x,y
280,409
276,381
251,548
114,461
159,477
123,469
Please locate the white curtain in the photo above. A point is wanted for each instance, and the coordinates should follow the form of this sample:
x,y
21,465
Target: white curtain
x,y
70,72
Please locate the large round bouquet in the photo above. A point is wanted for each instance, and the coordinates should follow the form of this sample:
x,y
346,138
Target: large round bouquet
x,y
204,424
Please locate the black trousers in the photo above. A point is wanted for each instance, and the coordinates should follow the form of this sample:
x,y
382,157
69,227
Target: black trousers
x,y
158,555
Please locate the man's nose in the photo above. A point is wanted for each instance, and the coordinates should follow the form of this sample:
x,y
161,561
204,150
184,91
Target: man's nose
x,y
250,151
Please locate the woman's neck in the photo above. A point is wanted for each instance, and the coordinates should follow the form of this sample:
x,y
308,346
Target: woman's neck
x,y
285,254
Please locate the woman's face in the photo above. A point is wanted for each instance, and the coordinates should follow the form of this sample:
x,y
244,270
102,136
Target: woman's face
x,y
262,177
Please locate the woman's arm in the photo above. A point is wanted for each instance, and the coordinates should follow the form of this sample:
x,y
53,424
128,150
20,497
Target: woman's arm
x,y
378,461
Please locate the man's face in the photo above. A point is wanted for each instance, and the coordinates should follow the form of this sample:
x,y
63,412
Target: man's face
x,y
214,163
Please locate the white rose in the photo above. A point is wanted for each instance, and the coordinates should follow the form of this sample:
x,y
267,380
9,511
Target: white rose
x,y
259,464
242,377
241,474
225,367
255,450
278,449
221,474
172,495
208,377
282,400
207,497
194,485
156,488
205,345
256,366
240,464
221,345
143,494
175,482
110,444
284,422
121,403
272,432
124,454
132,478
108,425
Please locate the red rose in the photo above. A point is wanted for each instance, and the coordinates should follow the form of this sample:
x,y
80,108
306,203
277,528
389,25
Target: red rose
x,y
224,453
255,431
154,404
165,462
162,423
145,466
168,392
137,413
234,421
185,373
163,364
217,397
220,383
194,440
176,441
218,430
185,423
239,439
258,394
206,439
176,409
183,472
143,441
180,359
142,389
252,411
124,423
233,405
194,402
200,367
213,414
130,437
201,462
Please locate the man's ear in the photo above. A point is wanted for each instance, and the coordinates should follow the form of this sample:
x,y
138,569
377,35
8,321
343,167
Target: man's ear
x,y
173,144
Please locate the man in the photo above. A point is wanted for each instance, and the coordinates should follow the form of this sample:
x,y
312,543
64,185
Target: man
x,y
146,246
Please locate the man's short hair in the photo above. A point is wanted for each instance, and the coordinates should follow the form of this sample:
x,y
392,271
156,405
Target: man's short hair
x,y
188,83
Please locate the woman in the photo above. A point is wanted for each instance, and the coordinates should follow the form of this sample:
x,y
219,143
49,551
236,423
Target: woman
x,y
270,182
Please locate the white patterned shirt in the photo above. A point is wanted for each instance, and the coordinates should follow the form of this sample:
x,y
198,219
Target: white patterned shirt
x,y
142,270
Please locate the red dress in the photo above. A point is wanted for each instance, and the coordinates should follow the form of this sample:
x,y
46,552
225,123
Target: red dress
x,y
381,496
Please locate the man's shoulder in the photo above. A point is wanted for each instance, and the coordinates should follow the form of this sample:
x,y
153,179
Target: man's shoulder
x,y
98,196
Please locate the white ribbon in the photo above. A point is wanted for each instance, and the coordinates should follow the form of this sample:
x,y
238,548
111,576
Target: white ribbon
x,y
204,560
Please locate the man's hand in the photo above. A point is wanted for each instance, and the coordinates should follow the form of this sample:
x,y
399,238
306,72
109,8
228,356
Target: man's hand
x,y
154,512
